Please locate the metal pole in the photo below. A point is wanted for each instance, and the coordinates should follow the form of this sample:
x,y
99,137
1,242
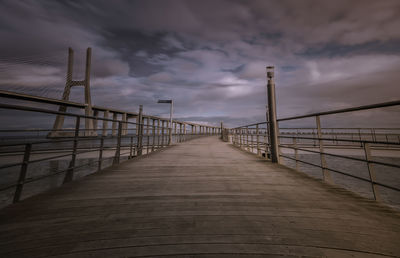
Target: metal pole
x,y
371,171
118,150
100,153
139,123
325,172
105,123
296,153
162,132
70,172
147,134
114,124
170,123
258,140
273,124
153,134
22,175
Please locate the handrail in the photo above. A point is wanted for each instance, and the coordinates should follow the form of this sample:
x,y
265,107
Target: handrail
x,y
253,138
345,110
48,111
145,138
15,95
26,97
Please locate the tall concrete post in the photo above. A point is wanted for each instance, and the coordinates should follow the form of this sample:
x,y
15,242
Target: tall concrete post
x,y
273,124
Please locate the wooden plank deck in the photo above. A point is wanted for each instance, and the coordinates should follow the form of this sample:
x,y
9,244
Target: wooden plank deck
x,y
199,198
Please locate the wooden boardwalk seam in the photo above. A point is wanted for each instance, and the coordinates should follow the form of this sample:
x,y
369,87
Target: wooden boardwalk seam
x,y
199,198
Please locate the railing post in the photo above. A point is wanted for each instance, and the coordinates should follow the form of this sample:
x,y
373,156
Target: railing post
x,y
22,174
325,172
162,132
153,134
95,121
373,135
105,123
118,149
247,139
184,132
252,140
371,171
70,172
296,153
258,140
271,117
158,133
180,132
175,135
131,153
222,132
139,123
114,124
100,161
148,135
124,123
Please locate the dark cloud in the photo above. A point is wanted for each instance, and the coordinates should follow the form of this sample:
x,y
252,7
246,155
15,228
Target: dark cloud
x,y
209,56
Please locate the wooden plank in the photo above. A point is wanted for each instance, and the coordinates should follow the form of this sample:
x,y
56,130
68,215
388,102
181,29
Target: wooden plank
x,y
199,197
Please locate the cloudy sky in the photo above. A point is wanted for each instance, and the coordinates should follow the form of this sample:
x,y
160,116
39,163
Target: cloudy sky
x,y
209,55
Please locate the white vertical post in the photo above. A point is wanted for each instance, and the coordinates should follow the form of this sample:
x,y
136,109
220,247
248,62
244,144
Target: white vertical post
x,y
371,171
325,172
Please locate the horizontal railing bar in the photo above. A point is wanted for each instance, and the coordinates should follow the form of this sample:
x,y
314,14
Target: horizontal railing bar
x,y
340,140
47,111
341,156
80,138
69,139
319,166
331,145
345,110
14,95
244,126
339,128
343,173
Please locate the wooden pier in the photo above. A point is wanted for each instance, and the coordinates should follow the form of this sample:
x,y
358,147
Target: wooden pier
x,y
201,198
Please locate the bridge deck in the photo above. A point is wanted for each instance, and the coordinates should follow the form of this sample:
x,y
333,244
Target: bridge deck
x,y
202,197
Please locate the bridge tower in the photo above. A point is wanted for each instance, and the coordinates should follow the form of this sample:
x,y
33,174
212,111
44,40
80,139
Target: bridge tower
x,y
59,122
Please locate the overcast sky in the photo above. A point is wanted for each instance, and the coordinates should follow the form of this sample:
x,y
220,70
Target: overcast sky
x,y
209,56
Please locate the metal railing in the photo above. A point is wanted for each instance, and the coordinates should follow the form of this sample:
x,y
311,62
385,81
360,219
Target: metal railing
x,y
317,140
269,140
112,145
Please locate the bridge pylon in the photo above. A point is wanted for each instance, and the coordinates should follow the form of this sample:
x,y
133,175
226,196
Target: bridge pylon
x,y
59,122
